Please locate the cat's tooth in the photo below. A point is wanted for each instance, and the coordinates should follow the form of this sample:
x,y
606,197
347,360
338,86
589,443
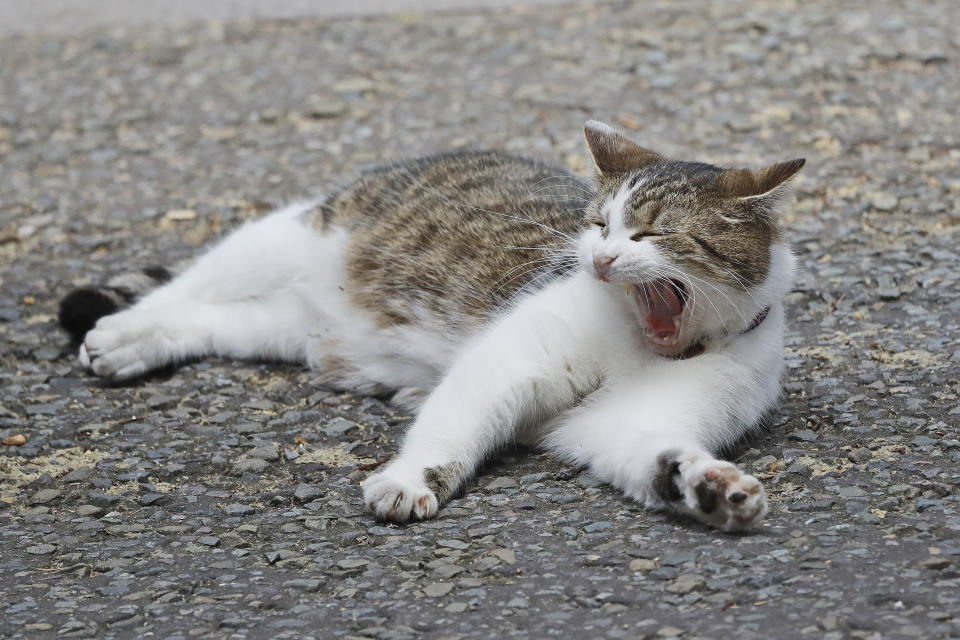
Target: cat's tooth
x,y
626,289
676,324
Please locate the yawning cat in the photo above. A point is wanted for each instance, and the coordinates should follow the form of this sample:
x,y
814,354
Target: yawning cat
x,y
633,324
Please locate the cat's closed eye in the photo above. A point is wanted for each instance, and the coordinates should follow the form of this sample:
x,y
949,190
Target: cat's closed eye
x,y
600,223
640,235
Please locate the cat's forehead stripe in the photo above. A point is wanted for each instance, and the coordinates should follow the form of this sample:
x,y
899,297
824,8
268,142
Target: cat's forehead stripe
x,y
616,206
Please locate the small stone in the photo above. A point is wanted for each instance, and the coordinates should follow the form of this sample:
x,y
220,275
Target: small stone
x,y
88,510
851,492
148,499
437,589
456,607
44,496
587,479
821,504
101,499
210,541
503,482
508,556
531,478
764,463
42,409
41,549
264,452
884,201
935,563
642,564
603,525
678,558
519,603
304,584
15,440
338,426
804,435
859,455
81,474
306,493
237,509
322,107
249,465
353,563
687,582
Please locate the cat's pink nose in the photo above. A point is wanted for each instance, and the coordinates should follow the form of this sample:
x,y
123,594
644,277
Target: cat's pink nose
x,y
602,264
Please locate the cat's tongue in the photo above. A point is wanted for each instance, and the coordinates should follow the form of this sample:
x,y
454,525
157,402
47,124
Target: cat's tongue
x,y
664,305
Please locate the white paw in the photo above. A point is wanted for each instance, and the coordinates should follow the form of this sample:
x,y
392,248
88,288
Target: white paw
x,y
398,498
83,357
124,346
718,493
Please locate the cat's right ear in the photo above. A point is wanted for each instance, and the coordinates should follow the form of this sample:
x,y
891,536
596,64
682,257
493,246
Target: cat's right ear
x,y
747,184
614,152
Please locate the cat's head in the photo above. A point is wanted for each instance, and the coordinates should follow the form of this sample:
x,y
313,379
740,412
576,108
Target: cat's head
x,y
696,248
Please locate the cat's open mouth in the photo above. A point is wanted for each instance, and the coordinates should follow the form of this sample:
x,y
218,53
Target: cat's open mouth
x,y
664,300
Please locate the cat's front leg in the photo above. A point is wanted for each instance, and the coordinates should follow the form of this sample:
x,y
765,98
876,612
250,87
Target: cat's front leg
x,y
713,491
471,412
520,372
439,452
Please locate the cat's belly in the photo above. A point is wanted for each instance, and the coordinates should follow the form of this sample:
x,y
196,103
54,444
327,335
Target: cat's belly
x,y
353,352
352,348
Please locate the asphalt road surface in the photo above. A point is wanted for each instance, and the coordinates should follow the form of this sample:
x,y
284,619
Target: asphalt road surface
x,y
222,500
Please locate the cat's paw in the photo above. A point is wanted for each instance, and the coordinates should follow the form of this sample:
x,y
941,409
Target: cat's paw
x,y
398,498
713,491
123,346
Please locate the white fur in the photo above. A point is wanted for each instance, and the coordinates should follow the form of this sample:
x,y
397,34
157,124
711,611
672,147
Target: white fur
x,y
568,367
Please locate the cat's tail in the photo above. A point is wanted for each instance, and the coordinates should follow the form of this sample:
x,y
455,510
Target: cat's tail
x,y
81,308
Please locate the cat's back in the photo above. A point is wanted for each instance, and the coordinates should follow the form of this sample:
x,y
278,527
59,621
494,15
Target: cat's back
x,y
455,234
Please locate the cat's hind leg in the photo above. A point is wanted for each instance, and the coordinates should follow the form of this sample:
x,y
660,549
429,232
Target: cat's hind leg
x,y
254,295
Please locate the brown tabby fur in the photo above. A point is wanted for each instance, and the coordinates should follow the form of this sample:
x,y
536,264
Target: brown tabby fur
x,y
457,235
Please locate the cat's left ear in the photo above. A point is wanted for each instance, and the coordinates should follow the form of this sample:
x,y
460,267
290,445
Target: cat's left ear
x,y
614,152
744,184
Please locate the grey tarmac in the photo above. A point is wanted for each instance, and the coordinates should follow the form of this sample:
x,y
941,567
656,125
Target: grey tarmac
x,y
223,500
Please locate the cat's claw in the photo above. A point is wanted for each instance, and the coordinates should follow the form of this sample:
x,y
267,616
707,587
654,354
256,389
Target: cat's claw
x,y
391,498
718,493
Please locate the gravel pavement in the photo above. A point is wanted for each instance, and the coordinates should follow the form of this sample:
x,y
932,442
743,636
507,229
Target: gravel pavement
x,y
222,499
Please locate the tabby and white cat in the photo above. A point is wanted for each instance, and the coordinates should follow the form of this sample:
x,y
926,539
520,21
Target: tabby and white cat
x,y
633,325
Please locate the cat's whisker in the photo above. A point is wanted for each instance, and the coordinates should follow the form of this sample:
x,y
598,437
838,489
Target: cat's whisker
x,y
545,259
726,297
585,184
688,279
557,196
578,194
740,281
555,248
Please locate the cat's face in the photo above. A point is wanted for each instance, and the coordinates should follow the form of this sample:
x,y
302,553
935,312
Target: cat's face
x,y
689,243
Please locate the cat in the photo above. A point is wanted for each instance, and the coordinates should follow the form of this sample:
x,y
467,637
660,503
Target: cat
x,y
632,324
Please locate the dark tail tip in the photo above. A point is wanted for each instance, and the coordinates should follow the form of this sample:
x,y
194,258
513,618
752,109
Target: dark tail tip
x,y
161,274
81,309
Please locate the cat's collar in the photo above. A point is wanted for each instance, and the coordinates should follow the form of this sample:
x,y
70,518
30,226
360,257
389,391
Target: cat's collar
x,y
757,320
699,346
